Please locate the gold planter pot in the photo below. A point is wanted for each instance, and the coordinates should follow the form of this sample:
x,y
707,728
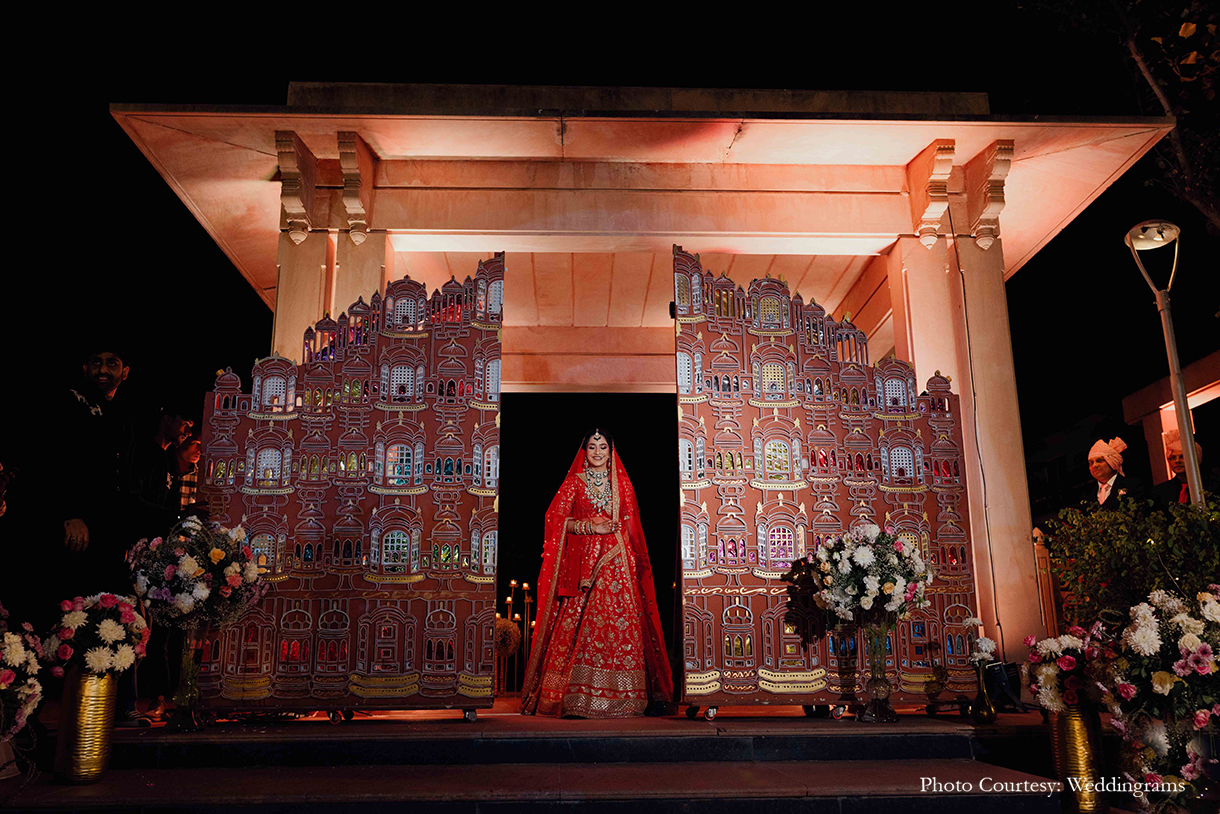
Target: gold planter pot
x,y
1076,749
86,719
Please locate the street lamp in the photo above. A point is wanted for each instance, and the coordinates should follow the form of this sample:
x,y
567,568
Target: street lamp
x,y
1146,236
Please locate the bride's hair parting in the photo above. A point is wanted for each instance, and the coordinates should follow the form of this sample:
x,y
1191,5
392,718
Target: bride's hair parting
x,y
598,431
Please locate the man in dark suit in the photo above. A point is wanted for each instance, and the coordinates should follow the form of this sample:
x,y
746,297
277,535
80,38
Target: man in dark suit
x,y
1176,490
1106,467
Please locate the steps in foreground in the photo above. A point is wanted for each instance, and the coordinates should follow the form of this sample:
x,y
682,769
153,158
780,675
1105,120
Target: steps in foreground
x,y
838,787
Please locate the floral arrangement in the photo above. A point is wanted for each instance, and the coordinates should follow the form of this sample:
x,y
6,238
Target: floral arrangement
x,y
20,664
870,571
507,638
101,633
982,652
1067,669
197,574
1164,685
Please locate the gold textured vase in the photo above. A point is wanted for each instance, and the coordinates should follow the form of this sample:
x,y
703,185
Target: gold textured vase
x,y
86,719
1076,749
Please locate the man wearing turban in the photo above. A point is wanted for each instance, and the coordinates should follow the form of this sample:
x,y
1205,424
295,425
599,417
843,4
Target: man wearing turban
x,y
1106,467
1176,490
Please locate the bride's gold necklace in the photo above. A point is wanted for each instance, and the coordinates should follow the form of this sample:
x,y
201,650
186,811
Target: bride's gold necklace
x,y
597,487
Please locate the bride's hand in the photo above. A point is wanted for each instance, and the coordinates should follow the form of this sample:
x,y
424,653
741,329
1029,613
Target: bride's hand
x,y
604,526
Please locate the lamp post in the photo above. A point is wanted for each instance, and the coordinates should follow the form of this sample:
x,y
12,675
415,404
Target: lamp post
x,y
1147,236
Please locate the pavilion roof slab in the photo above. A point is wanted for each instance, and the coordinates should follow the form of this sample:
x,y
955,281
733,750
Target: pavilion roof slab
x,y
222,163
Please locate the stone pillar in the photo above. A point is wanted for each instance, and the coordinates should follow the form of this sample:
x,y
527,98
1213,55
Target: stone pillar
x,y
925,327
301,291
361,268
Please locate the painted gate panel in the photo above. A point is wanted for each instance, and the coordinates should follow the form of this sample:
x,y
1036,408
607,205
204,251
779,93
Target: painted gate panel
x,y
366,479
787,435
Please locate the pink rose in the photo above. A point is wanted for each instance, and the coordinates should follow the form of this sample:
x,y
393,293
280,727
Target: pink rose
x,y
1077,631
127,615
7,677
1073,682
889,529
1202,664
64,652
180,551
66,633
1034,657
247,552
1152,778
140,649
155,544
1031,640
1190,771
898,546
1127,691
1066,663
1092,653
144,634
78,603
233,579
170,570
1070,697
1201,716
225,590
1216,710
57,671
108,600
66,606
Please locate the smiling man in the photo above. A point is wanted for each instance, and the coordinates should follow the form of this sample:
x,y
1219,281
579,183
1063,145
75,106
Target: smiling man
x,y
1106,467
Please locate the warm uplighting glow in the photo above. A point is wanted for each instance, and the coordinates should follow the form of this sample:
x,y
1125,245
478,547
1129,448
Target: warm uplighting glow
x,y
512,583
533,623
525,587
497,616
516,617
509,600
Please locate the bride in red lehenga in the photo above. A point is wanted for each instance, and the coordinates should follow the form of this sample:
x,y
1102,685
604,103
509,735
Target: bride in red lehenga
x,y
598,650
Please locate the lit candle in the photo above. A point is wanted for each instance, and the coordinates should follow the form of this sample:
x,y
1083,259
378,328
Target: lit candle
x,y
516,617
512,583
509,600
526,586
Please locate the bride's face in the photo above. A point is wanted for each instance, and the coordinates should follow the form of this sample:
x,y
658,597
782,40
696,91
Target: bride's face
x,y
597,452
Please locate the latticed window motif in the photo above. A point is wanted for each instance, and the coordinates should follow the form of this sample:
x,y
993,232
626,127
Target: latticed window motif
x,y
492,466
404,313
497,297
394,551
768,310
273,392
772,377
398,465
902,463
686,458
489,552
781,546
402,383
684,373
682,289
688,547
895,393
493,380
263,546
268,467
777,460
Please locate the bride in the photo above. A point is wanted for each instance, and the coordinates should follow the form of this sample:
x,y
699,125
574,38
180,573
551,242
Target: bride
x,y
598,650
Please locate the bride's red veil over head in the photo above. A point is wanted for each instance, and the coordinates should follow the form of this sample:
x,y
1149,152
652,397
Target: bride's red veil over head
x,y
627,511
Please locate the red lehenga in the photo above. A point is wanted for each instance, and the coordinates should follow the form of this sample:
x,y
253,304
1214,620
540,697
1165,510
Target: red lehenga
x,y
598,649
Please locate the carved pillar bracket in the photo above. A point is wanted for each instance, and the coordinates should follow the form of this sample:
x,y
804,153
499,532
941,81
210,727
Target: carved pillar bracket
x,y
985,176
928,181
357,162
298,173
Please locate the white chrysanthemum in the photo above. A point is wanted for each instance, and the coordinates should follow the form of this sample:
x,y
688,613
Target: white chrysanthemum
x,y
1188,624
1050,647
142,583
138,623
1143,639
894,603
1211,611
74,619
1068,642
870,531
14,650
872,582
124,657
50,644
200,591
237,534
110,631
192,523
188,565
31,663
845,566
1167,602
985,644
232,568
251,571
900,587
1189,643
1143,614
1047,672
1156,737
184,602
99,659
1050,698
863,556
821,554
971,621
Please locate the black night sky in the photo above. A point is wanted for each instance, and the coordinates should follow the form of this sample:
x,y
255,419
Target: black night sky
x,y
117,251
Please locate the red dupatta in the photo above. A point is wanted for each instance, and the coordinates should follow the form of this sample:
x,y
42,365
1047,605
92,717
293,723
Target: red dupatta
x,y
627,512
